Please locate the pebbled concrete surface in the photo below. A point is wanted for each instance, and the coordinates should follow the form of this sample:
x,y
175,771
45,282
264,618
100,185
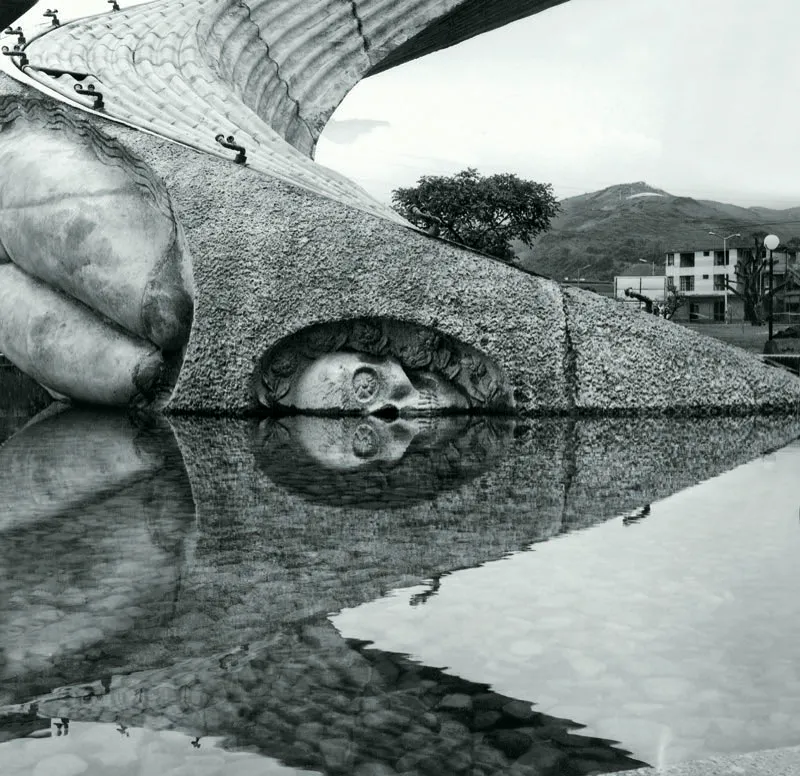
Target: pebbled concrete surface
x,y
768,762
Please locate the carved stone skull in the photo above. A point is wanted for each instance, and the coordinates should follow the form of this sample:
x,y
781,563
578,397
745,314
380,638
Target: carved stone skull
x,y
354,383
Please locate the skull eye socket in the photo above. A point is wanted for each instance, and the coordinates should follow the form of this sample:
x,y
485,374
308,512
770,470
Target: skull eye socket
x,y
365,384
366,441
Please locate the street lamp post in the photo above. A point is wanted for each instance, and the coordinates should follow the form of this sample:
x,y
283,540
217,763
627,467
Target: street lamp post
x,y
580,271
725,259
645,261
771,242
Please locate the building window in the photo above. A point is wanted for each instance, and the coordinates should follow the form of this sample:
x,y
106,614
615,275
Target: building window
x,y
719,282
687,283
719,311
705,277
687,259
694,311
719,259
670,260
706,253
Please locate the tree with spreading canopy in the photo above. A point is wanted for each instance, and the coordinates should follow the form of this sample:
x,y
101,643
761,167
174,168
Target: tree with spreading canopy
x,y
481,212
751,271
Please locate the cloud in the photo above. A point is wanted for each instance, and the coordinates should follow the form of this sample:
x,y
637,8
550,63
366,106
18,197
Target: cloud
x,y
346,131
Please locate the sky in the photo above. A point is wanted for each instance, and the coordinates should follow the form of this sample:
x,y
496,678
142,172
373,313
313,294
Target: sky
x,y
692,96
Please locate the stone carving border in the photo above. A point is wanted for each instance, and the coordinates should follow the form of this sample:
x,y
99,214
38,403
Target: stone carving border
x,y
417,348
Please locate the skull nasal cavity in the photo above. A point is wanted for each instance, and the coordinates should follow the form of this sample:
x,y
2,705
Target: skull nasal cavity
x,y
388,413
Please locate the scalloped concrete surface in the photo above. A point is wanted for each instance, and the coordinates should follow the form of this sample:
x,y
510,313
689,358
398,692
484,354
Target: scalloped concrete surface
x,y
269,72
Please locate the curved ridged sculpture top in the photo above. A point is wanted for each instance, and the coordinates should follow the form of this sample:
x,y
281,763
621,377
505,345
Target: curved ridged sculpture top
x,y
268,72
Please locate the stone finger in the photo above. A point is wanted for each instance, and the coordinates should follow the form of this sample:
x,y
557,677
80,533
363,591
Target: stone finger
x,y
67,348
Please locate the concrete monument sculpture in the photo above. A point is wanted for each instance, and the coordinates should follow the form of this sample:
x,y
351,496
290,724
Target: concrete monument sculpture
x,y
164,233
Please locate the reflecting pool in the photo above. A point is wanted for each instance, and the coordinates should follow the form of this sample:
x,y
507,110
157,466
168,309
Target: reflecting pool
x,y
371,597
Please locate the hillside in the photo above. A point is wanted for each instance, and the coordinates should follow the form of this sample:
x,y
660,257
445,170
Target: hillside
x,y
619,225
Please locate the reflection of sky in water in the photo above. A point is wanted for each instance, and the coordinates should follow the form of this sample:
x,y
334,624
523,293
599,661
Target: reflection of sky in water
x,y
94,749
676,635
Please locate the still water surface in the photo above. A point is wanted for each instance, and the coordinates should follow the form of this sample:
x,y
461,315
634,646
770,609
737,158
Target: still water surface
x,y
476,597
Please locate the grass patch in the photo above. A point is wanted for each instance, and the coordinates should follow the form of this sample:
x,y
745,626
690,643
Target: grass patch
x,y
745,336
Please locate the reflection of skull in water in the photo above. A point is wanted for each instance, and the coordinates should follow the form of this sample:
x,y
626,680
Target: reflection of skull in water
x,y
346,444
356,383
372,462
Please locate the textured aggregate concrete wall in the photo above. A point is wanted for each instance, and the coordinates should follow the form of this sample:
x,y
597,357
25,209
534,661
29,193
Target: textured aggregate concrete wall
x,y
281,259
623,358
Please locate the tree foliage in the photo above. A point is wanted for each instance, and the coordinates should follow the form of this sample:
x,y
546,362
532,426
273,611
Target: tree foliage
x,y
673,302
484,213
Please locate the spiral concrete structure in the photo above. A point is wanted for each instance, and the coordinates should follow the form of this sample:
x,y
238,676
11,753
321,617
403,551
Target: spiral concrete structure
x,y
268,72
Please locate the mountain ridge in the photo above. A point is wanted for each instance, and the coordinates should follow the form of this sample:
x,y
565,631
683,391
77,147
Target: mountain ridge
x,y
598,233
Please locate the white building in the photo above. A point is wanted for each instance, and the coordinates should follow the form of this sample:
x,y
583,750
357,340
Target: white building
x,y
701,275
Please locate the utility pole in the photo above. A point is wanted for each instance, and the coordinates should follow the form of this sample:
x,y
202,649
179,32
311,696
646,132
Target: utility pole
x,y
725,259
771,242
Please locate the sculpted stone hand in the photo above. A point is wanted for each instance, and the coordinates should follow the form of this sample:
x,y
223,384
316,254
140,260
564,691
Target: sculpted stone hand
x,y
96,288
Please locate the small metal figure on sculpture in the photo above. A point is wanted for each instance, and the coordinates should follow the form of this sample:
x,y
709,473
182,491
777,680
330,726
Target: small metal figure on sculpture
x,y
91,91
432,223
21,40
16,52
230,142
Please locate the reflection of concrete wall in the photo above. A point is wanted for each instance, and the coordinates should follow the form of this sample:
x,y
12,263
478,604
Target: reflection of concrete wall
x,y
236,641
297,558
620,464
263,556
